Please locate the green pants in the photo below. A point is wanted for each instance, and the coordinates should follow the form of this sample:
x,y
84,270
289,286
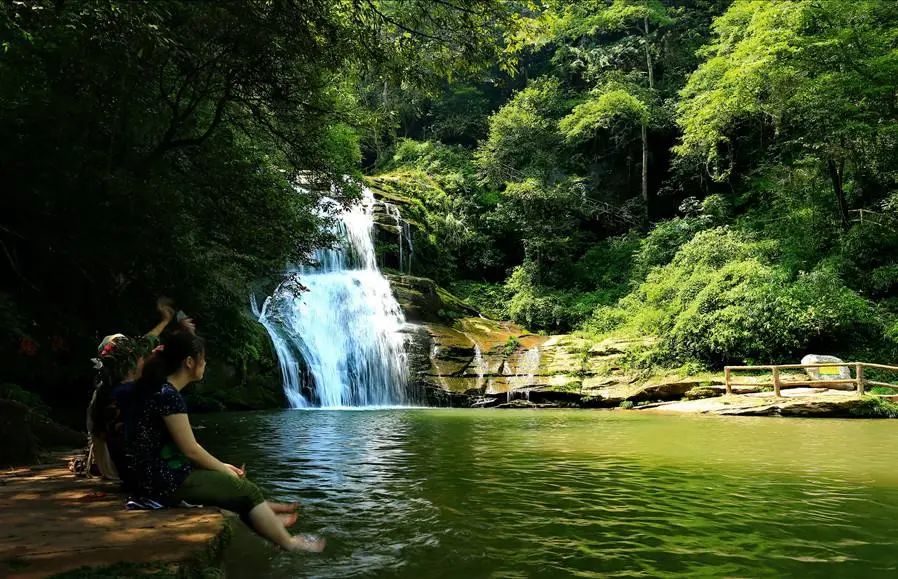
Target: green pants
x,y
217,489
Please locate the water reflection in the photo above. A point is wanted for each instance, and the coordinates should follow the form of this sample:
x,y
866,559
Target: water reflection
x,y
446,493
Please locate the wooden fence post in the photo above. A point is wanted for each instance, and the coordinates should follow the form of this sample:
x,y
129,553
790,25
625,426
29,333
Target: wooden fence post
x,y
776,381
726,379
859,375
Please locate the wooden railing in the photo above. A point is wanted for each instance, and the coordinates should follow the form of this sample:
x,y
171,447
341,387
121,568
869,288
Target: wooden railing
x,y
859,380
867,216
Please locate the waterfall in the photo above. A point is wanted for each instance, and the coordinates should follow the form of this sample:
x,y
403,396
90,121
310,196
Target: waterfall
x,y
404,231
526,369
339,343
478,364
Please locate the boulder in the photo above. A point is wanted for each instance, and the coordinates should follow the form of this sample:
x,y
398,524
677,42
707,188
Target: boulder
x,y
422,300
834,372
700,392
26,433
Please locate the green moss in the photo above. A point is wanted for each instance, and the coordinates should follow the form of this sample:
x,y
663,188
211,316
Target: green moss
x,y
574,386
875,407
699,392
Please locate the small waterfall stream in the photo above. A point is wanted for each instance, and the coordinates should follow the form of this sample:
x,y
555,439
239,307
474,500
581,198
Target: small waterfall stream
x,y
523,375
479,365
404,233
339,343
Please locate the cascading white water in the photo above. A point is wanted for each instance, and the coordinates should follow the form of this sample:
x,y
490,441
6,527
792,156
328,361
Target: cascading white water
x,y
404,232
526,369
339,343
479,366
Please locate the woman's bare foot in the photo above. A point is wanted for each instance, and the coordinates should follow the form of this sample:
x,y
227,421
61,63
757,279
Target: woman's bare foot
x,y
284,507
308,543
289,519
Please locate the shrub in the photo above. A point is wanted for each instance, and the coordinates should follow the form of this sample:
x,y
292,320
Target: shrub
x,y
721,300
511,344
604,319
606,266
541,308
663,242
490,299
875,407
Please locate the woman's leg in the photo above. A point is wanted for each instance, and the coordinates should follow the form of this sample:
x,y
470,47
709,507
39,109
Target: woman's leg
x,y
243,497
266,523
283,507
289,519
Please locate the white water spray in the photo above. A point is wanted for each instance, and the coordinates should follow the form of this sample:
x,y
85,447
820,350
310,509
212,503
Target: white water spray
x,y
479,365
526,369
404,232
339,344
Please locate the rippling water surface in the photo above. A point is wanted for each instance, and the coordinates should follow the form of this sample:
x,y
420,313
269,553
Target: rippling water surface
x,y
502,494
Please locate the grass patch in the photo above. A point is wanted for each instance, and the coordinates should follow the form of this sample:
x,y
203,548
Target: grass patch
x,y
873,407
511,344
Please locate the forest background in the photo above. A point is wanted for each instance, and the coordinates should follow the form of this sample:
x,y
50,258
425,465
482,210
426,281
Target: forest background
x,y
720,175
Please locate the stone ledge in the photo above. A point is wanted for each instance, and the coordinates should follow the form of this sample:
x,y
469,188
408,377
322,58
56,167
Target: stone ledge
x,y
52,522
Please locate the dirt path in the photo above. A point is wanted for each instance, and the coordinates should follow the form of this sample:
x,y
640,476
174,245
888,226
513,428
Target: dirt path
x,y
52,522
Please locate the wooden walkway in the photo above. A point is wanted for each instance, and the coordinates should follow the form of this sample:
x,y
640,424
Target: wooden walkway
x,y
860,380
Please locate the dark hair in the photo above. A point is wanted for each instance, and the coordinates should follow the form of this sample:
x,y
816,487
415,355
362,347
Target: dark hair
x,y
117,356
167,359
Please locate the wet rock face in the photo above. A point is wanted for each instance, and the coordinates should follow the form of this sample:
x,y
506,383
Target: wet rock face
x,y
423,301
418,298
392,241
396,232
486,362
458,356
474,361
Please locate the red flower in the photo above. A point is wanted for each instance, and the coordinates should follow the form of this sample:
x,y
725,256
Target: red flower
x,y
28,347
108,349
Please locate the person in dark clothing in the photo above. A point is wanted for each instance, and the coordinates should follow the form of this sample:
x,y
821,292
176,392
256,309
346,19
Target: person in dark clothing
x,y
168,464
119,364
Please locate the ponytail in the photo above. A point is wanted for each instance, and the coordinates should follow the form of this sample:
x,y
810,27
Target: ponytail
x,y
167,358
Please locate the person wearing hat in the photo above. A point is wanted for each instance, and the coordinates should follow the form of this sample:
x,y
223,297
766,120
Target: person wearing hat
x,y
119,364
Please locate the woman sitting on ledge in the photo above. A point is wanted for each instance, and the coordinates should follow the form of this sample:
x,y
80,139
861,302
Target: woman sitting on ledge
x,y
119,363
171,467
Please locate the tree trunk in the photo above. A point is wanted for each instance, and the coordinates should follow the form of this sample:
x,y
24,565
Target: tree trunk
x,y
644,128
836,172
645,172
648,55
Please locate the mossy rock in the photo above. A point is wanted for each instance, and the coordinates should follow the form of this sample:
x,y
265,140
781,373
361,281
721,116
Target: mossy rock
x,y
875,407
700,392
26,433
422,300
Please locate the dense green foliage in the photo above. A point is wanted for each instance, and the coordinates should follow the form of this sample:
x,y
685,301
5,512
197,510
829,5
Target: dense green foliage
x,y
721,175
150,147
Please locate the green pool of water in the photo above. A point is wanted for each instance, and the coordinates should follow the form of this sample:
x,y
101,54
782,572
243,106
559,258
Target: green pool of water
x,y
501,494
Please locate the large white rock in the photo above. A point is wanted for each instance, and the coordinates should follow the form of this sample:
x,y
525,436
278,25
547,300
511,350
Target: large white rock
x,y
833,372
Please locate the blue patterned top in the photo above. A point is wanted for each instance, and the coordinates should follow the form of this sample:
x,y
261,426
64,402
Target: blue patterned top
x,y
160,468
